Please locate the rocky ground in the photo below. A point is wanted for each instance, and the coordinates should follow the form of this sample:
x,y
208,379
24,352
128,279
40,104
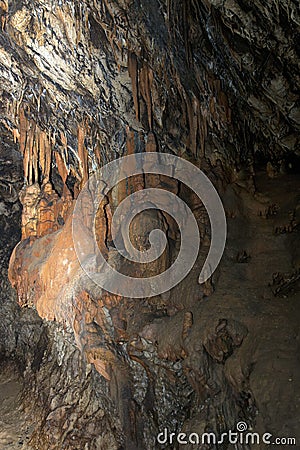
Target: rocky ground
x,y
14,431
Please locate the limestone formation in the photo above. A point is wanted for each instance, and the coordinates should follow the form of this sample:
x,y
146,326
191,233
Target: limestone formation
x,y
30,197
85,83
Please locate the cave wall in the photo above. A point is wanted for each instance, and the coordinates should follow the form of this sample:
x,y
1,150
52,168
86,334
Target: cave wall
x,y
215,74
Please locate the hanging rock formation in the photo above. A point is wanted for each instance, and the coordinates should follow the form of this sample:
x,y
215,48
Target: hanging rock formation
x,y
84,83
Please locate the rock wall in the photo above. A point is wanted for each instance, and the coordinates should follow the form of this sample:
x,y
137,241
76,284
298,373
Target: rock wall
x,y
82,84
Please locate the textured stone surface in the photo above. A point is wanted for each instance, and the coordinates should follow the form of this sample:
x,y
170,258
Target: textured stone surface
x,y
215,82
20,330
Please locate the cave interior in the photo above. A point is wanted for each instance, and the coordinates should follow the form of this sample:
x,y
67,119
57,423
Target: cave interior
x,y
83,84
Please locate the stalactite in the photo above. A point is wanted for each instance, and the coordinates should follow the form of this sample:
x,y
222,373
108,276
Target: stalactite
x,y
66,194
78,182
133,73
193,139
223,102
61,167
121,190
102,226
157,181
44,144
151,145
35,158
97,150
83,153
145,85
78,25
29,197
169,9
36,147
42,151
48,157
186,29
47,211
192,107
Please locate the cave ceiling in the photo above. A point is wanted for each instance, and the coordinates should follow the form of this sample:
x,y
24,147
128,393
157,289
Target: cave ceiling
x,y
209,77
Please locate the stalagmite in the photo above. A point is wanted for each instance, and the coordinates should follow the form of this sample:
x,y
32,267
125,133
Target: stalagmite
x,y
35,158
84,84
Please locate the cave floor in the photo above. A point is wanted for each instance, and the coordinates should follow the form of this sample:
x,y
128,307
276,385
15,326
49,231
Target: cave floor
x,y
270,353
14,432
